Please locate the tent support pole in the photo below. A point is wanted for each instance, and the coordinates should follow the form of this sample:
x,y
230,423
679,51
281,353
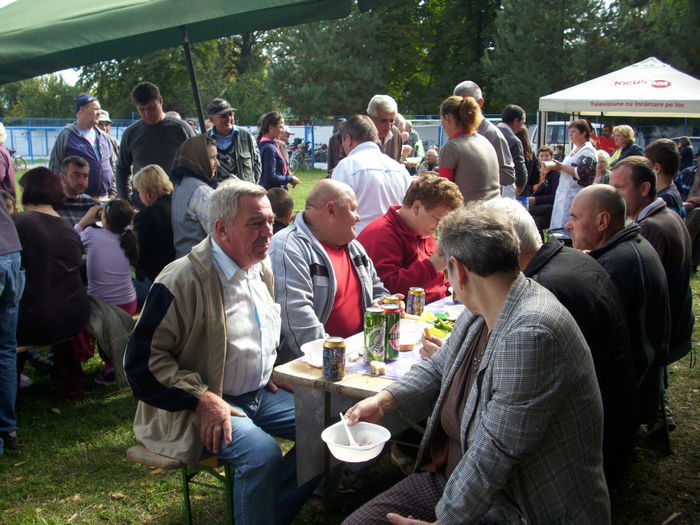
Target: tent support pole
x,y
542,117
193,78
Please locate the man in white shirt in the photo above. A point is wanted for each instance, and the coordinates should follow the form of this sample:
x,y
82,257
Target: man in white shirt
x,y
378,181
200,359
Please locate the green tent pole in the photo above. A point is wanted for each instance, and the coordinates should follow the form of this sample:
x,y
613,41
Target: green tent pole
x,y
193,78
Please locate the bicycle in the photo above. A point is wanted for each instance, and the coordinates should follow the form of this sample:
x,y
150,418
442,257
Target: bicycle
x,y
300,159
18,161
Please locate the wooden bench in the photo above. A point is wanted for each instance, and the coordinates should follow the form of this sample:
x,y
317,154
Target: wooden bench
x,y
27,348
208,464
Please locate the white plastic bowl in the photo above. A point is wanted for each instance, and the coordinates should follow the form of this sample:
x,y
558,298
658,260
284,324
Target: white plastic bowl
x,y
337,441
313,352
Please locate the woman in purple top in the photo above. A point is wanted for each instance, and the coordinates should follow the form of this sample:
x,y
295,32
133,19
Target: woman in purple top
x,y
111,252
275,173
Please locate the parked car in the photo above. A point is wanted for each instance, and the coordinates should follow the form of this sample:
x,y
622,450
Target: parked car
x,y
558,133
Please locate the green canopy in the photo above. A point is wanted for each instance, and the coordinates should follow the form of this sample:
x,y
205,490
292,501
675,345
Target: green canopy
x,y
42,36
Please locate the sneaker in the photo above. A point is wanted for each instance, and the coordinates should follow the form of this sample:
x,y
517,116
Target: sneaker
x,y
10,439
25,381
106,377
41,364
668,414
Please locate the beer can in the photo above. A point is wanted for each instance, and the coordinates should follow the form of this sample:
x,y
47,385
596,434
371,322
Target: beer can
x,y
334,358
415,302
391,299
393,323
375,326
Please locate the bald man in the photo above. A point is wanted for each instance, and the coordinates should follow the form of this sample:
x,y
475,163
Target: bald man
x,y
597,223
324,279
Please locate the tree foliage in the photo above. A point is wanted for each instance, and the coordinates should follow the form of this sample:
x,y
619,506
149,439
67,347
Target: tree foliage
x,y
416,51
666,29
542,46
447,41
328,68
47,96
220,65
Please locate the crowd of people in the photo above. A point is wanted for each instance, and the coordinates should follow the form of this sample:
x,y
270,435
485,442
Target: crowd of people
x,y
535,399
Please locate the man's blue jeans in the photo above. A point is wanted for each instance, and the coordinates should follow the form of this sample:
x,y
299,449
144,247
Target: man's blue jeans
x,y
265,488
11,288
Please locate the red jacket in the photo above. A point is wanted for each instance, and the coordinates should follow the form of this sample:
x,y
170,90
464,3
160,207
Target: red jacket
x,y
402,258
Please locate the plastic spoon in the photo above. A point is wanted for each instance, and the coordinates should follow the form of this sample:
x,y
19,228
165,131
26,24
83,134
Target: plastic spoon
x,y
353,443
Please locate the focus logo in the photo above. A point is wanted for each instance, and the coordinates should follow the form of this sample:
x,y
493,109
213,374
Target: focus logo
x,y
660,83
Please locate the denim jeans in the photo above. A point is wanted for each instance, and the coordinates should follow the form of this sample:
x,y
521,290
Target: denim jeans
x,y
265,488
142,288
11,288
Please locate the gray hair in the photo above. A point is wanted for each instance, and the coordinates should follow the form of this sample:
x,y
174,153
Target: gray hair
x,y
381,103
399,121
361,129
480,238
524,224
468,89
223,202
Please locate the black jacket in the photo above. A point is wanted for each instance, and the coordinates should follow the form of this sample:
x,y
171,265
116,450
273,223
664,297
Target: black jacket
x,y
667,233
154,230
638,274
589,294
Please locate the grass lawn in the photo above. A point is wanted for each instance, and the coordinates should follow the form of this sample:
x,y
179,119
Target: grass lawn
x,y
308,180
71,465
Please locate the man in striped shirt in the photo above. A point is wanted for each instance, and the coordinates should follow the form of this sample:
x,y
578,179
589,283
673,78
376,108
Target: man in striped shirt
x,y
200,359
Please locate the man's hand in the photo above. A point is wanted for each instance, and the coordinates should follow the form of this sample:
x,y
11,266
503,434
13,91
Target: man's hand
x,y
215,416
91,216
372,409
395,519
295,181
437,259
274,386
380,304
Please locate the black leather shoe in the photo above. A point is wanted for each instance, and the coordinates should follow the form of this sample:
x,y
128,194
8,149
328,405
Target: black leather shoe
x,y
10,439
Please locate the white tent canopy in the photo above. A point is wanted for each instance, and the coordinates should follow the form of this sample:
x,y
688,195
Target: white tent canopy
x,y
649,88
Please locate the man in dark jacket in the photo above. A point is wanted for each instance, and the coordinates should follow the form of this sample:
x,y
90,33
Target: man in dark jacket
x,y
153,139
237,152
336,153
597,223
512,121
634,178
589,294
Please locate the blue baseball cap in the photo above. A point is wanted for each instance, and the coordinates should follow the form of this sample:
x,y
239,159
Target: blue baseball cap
x,y
83,99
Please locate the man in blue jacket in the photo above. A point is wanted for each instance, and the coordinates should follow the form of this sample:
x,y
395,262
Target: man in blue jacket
x,y
84,139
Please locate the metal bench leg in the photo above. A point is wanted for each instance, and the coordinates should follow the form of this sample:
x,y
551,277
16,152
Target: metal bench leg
x,y
229,473
186,494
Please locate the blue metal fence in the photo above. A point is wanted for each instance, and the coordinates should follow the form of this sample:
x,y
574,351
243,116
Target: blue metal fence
x,y
33,138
